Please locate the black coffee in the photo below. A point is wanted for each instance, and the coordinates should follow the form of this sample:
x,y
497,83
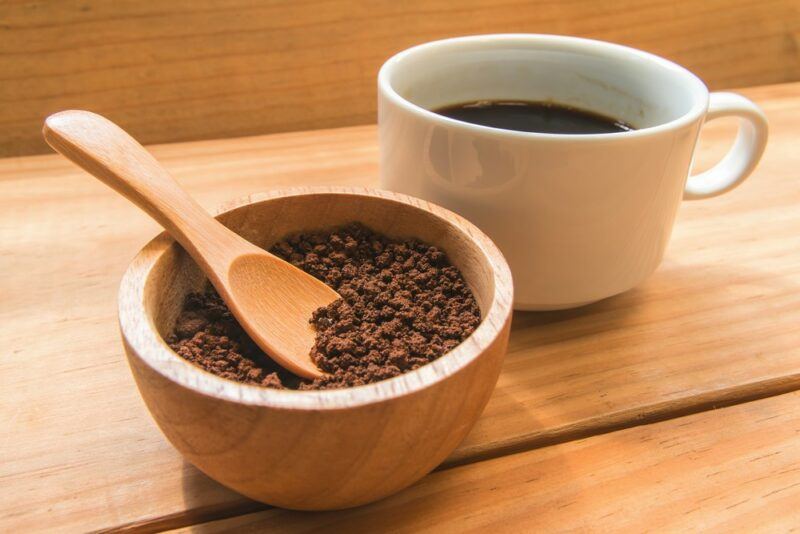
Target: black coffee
x,y
542,117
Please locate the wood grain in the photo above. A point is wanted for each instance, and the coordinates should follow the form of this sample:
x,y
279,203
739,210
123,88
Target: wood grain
x,y
317,450
716,323
731,470
181,70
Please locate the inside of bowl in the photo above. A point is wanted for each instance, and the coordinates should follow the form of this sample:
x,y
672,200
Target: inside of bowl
x,y
265,222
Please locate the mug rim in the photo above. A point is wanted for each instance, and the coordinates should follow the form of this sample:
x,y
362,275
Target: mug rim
x,y
698,89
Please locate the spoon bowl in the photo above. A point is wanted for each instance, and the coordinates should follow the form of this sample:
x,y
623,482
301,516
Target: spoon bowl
x,y
317,450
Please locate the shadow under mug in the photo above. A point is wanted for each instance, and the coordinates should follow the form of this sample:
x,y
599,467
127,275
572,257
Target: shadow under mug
x,y
578,217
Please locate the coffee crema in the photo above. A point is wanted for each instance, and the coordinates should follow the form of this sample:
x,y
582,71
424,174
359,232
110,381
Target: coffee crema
x,y
533,116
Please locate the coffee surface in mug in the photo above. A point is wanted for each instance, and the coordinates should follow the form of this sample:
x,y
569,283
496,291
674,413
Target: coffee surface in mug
x,y
531,116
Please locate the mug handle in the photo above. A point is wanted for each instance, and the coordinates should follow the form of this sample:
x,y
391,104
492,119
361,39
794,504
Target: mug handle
x,y
743,156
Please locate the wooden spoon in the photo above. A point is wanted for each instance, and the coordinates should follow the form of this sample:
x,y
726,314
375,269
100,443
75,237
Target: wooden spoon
x,y
272,299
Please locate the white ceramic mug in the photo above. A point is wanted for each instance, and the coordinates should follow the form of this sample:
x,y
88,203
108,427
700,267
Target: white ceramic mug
x,y
579,217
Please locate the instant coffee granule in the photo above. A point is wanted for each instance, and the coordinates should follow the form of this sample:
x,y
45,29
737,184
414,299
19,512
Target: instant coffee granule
x,y
403,305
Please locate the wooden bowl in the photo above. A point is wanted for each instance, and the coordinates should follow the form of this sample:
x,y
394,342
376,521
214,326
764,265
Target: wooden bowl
x,y
317,450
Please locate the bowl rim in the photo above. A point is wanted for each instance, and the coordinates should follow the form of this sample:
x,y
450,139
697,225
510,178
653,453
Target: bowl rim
x,y
143,341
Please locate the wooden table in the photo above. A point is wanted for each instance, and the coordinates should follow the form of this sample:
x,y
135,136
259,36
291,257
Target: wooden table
x,y
672,406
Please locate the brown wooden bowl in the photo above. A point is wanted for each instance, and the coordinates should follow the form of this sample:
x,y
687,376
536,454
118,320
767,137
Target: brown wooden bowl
x,y
317,450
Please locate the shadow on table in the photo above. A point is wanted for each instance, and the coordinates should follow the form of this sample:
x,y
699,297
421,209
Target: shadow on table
x,y
679,299
619,306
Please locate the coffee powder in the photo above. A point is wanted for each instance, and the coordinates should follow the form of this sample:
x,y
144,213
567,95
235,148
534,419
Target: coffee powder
x,y
403,305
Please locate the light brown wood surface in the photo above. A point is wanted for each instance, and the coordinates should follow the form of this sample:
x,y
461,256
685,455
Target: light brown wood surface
x,y
730,470
270,298
179,70
717,323
318,450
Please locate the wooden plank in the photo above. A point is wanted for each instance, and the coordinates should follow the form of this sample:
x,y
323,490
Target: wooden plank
x,y
716,323
736,469
181,70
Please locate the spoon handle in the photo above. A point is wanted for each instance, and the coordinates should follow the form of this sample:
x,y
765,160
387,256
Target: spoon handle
x,y
105,150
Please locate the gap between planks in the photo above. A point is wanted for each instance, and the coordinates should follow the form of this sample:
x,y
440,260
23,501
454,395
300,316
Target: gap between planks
x,y
593,426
